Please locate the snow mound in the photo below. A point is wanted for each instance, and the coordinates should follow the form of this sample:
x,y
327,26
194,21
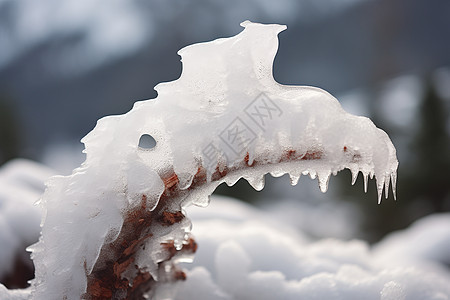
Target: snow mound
x,y
21,185
257,259
426,240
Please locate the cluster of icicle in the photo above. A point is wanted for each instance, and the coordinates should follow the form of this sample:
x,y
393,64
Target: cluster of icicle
x,y
225,118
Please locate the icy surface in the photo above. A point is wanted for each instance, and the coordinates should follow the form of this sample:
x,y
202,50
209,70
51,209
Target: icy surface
x,y
226,115
257,258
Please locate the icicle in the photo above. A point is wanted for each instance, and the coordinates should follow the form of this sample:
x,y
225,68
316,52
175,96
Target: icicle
x,y
312,174
354,176
386,187
366,179
323,180
380,189
230,181
394,184
256,182
277,173
294,178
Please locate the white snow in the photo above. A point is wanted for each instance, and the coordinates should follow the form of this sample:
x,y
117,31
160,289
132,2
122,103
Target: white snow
x,y
14,294
256,258
342,218
426,240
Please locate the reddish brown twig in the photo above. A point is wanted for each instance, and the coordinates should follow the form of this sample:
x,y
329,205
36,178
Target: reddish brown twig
x,y
108,280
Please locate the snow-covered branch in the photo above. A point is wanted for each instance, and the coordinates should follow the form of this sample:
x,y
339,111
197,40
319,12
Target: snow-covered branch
x,y
117,228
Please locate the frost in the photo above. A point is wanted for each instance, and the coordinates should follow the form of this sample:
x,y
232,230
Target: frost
x,y
116,227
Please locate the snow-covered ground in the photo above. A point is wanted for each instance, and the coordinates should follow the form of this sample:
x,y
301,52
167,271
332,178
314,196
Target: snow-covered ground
x,y
248,253
245,254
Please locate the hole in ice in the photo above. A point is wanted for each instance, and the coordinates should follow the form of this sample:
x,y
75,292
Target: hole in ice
x,y
146,142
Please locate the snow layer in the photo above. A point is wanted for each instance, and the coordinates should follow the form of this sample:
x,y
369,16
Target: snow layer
x,y
226,115
253,257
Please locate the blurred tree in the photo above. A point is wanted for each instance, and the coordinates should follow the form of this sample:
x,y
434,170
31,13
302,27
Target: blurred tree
x,y
9,130
423,186
427,179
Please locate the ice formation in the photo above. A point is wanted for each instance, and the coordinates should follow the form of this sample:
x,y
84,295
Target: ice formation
x,y
116,227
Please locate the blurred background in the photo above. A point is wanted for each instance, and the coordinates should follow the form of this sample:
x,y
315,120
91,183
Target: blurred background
x,y
66,63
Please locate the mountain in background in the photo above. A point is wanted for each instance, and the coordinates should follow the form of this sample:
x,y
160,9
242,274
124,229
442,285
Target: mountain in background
x,y
59,86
